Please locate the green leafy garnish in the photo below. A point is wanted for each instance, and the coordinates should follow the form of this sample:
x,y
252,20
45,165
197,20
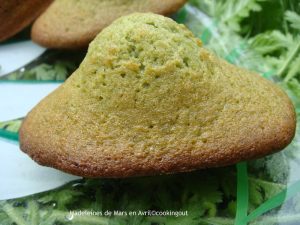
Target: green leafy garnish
x,y
11,126
53,65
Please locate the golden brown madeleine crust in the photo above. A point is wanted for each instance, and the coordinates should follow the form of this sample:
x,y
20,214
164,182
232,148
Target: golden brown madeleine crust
x,y
148,99
17,14
71,24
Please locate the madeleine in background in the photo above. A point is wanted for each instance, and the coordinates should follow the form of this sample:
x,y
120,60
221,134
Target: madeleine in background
x,y
71,24
16,15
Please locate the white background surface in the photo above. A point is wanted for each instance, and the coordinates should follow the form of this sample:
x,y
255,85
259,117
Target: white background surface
x,y
16,55
19,174
17,99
